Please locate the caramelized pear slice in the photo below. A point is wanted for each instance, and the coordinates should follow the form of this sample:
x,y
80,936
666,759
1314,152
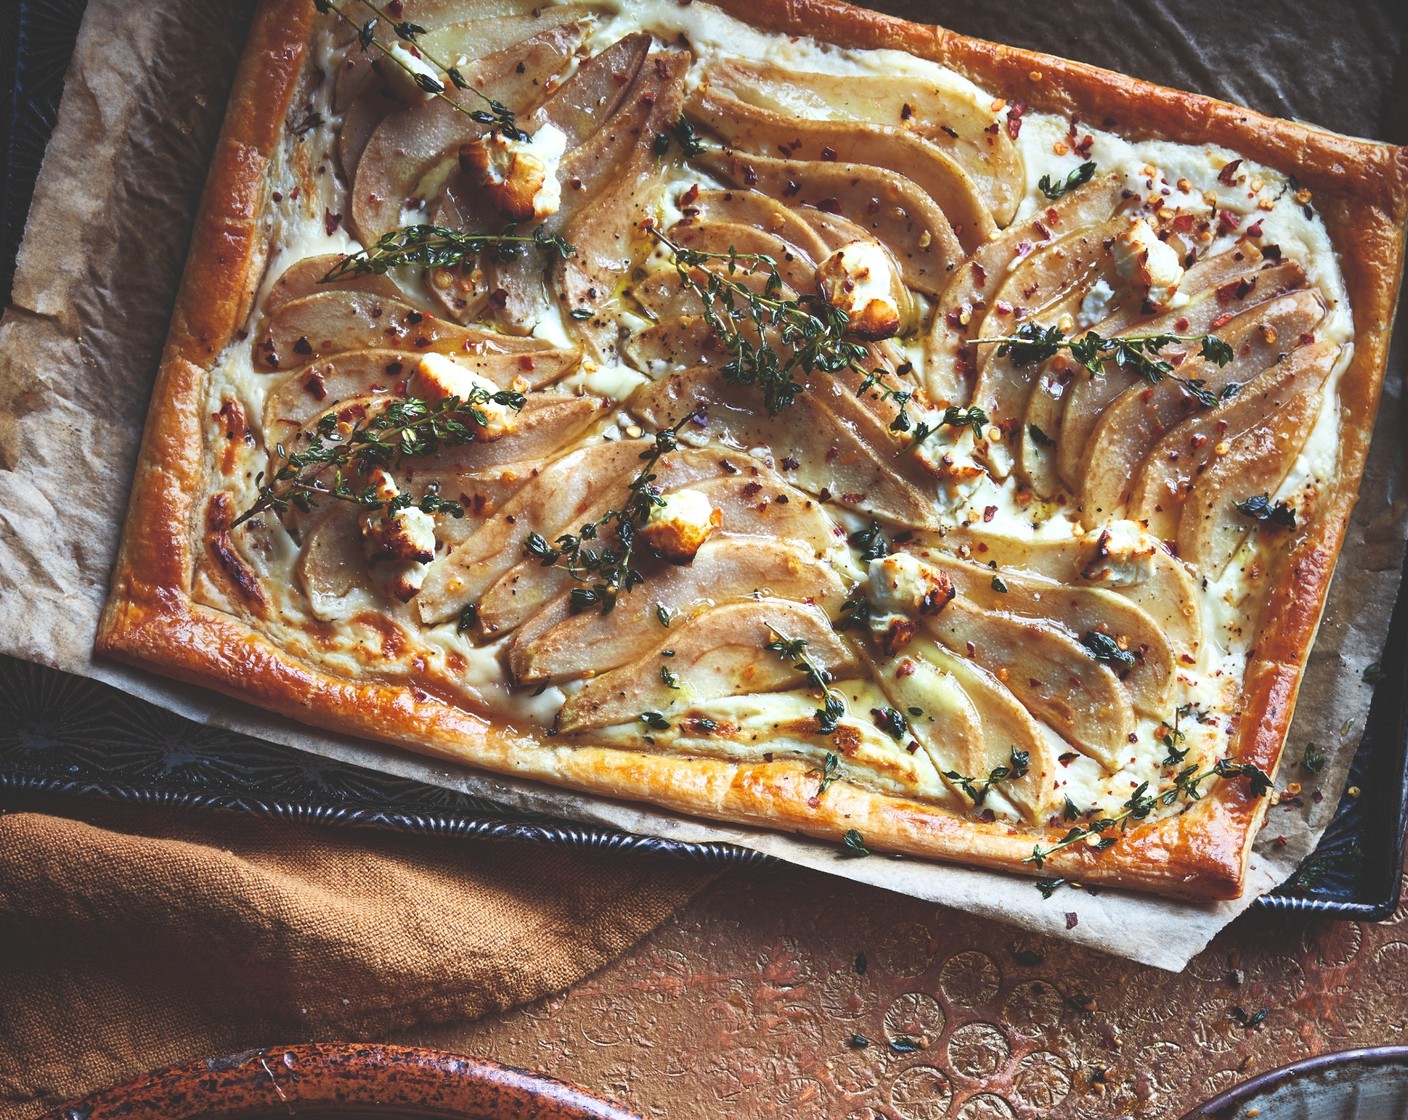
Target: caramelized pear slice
x,y
760,131
606,231
596,90
906,222
722,652
326,323
750,208
564,645
1176,463
1140,416
1209,308
412,142
957,119
304,278
331,568
1168,595
829,454
1274,427
1078,610
950,363
1055,677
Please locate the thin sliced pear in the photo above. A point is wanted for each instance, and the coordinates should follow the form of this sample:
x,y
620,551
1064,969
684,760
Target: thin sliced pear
x,y
596,90
1257,461
722,652
326,323
1208,309
1174,464
751,208
1054,676
1137,419
762,131
606,232
568,646
359,124
1169,596
332,568
1080,611
906,222
304,278
956,119
317,388
413,141
829,455
950,364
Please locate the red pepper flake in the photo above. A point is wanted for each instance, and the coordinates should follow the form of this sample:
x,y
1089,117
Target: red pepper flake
x,y
690,196
989,513
1228,174
331,221
750,175
828,154
1014,118
906,669
1254,230
1227,221
1072,919
828,205
315,386
1183,222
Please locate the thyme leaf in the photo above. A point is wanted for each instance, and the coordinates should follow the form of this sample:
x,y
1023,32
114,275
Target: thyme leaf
x,y
1260,508
1186,786
828,716
1077,178
853,844
1104,648
336,457
438,247
1018,764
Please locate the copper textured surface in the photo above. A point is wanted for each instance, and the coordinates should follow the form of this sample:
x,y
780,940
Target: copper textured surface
x,y
331,1080
744,1004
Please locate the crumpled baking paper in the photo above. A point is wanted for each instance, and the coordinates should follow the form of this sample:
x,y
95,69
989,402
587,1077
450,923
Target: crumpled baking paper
x,y
97,276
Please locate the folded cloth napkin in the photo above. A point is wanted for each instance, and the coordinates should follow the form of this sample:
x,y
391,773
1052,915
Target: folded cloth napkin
x,y
131,939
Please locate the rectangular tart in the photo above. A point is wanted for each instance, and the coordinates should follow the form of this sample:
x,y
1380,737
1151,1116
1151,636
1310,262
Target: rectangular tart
x,y
773,411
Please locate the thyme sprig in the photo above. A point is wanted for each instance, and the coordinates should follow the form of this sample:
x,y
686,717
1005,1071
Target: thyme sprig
x,y
1016,768
833,707
771,338
495,113
1139,354
1141,803
438,247
1261,508
953,417
336,458
601,554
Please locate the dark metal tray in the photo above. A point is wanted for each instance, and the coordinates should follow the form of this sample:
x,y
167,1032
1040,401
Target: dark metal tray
x,y
67,737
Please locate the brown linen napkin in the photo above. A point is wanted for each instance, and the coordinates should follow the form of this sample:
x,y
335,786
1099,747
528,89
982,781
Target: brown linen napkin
x,y
131,939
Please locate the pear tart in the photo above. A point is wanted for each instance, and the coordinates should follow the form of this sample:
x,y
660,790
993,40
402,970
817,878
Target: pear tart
x,y
774,412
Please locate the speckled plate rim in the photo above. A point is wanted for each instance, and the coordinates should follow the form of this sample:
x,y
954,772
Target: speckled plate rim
x,y
360,1078
1227,1105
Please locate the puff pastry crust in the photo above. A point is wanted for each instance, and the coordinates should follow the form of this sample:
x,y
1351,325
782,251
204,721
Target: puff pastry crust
x,y
1059,587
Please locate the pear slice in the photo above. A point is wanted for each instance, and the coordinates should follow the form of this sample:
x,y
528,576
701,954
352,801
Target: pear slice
x,y
1080,611
1271,428
606,231
750,208
596,90
761,131
1175,464
1169,595
907,222
1140,416
412,142
950,364
579,487
1054,676
726,569
957,119
372,106
1209,308
332,568
304,278
722,652
748,508
829,456
796,267
333,322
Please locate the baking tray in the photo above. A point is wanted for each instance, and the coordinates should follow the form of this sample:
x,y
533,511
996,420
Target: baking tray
x,y
72,738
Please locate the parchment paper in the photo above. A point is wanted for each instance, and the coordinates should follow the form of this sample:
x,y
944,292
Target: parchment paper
x,y
97,275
